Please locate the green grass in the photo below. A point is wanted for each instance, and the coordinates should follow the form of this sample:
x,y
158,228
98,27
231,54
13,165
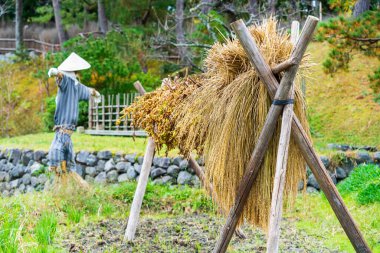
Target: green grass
x,y
46,228
341,108
42,141
363,184
73,214
361,195
314,215
37,222
8,235
42,220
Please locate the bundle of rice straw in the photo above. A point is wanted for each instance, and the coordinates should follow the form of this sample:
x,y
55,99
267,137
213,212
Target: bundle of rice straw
x,y
154,111
221,117
226,114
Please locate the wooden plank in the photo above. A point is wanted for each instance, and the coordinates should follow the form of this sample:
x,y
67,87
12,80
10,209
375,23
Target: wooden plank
x,y
117,108
281,163
109,111
137,133
309,154
90,113
269,126
97,115
103,113
125,104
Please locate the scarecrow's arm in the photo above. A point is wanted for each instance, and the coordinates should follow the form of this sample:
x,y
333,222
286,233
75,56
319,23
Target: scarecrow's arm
x,y
94,93
58,75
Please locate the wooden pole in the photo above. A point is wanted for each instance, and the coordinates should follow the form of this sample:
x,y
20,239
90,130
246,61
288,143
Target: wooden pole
x,y
141,185
305,146
269,125
283,66
200,173
140,191
282,159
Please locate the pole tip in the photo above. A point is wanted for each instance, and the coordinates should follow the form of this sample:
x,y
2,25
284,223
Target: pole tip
x,y
239,21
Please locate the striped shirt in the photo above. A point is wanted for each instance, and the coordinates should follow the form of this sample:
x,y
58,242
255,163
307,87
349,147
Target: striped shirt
x,y
67,102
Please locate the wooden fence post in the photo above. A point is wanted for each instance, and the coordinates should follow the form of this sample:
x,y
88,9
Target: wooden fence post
x,y
282,158
305,146
90,113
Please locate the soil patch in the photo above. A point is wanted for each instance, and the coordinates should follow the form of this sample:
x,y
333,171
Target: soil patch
x,y
186,233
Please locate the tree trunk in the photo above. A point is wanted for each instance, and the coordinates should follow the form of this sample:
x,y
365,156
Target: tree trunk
x,y
19,26
179,29
58,21
253,8
102,19
360,7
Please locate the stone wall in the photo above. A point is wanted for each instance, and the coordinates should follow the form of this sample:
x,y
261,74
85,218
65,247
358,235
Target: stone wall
x,y
341,164
27,170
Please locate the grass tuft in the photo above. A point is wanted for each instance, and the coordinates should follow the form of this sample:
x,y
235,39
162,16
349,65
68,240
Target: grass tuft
x,y
8,235
73,214
363,184
46,228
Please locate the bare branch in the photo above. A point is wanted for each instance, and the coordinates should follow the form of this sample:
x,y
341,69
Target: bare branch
x,y
369,40
4,8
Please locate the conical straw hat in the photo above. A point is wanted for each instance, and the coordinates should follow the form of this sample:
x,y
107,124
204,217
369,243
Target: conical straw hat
x,y
74,63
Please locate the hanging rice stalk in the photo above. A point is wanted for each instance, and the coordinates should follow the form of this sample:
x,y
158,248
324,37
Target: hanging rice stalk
x,y
221,118
154,112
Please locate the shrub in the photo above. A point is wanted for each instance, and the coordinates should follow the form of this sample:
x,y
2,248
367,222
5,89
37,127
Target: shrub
x,y
363,184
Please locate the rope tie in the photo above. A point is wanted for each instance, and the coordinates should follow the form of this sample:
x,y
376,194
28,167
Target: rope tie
x,y
282,102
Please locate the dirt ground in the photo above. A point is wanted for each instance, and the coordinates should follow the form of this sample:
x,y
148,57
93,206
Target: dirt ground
x,y
185,233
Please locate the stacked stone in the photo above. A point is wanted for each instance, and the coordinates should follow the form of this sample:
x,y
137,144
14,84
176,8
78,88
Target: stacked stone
x,y
26,170
342,167
22,171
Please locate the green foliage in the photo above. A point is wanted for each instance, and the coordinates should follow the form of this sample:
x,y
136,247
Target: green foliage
x,y
116,61
130,11
46,228
375,80
48,115
44,14
74,12
342,6
175,198
348,35
363,183
8,234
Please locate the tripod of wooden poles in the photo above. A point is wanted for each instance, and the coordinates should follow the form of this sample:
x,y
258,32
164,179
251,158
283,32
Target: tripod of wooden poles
x,y
282,95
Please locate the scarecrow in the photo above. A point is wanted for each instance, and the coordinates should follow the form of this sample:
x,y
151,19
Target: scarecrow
x,y
70,92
